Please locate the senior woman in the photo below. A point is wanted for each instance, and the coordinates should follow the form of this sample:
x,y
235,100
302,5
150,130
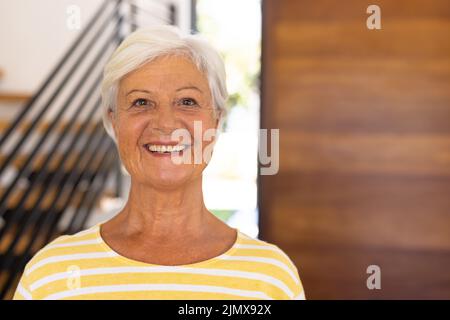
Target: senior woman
x,y
164,243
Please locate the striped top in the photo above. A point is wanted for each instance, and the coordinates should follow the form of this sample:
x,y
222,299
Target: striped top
x,y
83,266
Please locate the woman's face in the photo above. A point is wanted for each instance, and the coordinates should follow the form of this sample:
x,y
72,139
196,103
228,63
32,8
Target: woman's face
x,y
164,95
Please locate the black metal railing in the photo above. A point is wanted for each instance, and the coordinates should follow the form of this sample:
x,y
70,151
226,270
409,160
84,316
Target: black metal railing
x,y
86,156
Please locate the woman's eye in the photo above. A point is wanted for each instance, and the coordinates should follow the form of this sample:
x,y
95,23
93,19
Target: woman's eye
x,y
188,102
140,102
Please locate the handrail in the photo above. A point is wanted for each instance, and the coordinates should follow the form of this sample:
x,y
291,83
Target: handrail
x,y
101,142
101,175
42,172
135,10
91,198
54,123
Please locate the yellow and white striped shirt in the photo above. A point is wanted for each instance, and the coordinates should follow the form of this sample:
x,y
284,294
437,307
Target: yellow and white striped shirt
x,y
83,266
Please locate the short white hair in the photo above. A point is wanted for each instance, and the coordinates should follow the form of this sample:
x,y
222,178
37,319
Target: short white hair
x,y
147,44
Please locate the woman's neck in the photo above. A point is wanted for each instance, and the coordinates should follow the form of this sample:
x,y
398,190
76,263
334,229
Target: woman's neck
x,y
164,214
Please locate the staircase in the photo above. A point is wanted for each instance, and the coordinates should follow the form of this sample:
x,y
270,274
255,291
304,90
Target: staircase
x,y
56,161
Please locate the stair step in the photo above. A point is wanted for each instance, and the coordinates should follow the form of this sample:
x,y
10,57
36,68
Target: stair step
x,y
39,242
43,126
45,181
47,202
38,162
9,97
23,242
4,275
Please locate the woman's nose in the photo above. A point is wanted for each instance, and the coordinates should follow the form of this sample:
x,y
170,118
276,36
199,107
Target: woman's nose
x,y
165,118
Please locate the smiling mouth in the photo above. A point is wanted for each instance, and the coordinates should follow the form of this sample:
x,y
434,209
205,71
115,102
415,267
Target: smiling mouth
x,y
165,149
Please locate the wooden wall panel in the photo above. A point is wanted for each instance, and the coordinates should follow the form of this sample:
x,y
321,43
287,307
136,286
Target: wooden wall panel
x,y
364,119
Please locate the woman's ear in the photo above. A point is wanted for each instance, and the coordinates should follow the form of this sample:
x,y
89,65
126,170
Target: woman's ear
x,y
219,119
112,119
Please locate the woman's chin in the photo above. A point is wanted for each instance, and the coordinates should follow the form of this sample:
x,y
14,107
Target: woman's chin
x,y
169,180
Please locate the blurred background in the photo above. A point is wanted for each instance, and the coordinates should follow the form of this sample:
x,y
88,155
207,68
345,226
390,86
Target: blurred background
x,y
364,132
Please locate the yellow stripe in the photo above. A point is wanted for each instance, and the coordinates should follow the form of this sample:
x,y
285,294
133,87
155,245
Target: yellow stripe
x,y
251,269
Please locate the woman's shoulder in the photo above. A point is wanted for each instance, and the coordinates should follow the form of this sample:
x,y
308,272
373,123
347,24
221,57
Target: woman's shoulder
x,y
63,246
83,237
58,259
269,249
273,258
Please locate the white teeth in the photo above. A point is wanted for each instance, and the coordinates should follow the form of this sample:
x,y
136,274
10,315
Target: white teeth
x,y
164,148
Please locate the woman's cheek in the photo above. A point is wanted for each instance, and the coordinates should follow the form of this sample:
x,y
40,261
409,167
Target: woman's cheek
x,y
128,143
208,143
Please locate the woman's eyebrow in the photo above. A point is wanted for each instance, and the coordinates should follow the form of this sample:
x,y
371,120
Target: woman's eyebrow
x,y
138,90
189,87
179,89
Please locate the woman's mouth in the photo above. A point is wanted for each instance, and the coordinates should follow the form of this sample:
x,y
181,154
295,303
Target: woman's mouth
x,y
161,149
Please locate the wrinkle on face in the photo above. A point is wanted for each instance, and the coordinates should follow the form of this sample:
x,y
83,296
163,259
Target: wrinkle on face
x,y
163,83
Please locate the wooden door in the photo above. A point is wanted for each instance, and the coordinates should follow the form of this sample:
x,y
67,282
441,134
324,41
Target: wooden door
x,y
364,120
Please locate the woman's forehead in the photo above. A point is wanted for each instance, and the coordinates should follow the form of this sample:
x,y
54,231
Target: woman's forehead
x,y
171,71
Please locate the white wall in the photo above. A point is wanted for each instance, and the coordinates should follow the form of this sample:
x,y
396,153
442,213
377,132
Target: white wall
x,y
34,36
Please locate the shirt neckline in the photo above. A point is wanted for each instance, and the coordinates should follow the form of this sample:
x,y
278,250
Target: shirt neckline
x,y
127,260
